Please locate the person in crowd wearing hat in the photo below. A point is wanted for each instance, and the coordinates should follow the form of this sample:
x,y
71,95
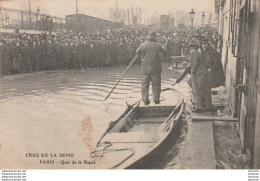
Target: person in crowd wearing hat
x,y
75,51
43,55
35,56
129,51
85,53
107,57
27,56
214,72
93,54
99,54
151,68
113,52
50,51
17,58
177,46
66,55
4,58
58,55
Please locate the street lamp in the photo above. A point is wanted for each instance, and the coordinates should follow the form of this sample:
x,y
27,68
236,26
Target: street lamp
x,y
203,17
192,13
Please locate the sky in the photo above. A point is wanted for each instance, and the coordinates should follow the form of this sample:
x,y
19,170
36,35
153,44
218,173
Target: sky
x,y
100,8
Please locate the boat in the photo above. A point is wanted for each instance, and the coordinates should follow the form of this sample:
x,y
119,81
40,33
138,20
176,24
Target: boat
x,y
133,140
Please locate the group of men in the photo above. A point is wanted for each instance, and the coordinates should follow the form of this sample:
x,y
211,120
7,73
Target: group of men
x,y
28,53
206,71
204,65
22,53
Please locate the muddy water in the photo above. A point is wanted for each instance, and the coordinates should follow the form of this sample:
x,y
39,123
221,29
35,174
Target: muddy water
x,y
64,112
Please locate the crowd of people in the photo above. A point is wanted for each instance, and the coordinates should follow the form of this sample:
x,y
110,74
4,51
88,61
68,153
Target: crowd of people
x,y
21,53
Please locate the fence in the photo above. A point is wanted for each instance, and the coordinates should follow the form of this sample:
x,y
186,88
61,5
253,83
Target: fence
x,y
18,19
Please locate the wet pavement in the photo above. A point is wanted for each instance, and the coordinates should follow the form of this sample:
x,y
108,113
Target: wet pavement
x,y
65,112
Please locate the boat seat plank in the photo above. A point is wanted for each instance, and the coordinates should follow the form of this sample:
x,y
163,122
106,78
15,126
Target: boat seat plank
x,y
144,120
131,137
155,111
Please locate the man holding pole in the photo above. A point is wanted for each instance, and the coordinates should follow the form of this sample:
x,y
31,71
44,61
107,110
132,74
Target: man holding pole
x,y
151,68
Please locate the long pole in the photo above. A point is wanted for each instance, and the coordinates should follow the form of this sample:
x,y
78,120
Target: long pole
x,y
122,76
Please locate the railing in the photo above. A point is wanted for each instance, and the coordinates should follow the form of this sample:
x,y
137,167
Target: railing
x,y
19,19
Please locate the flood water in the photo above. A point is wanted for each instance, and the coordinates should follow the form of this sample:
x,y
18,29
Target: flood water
x,y
64,112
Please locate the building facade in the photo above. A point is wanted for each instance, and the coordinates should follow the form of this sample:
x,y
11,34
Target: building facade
x,y
239,24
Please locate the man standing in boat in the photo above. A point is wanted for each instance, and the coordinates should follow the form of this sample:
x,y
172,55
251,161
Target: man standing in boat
x,y
151,68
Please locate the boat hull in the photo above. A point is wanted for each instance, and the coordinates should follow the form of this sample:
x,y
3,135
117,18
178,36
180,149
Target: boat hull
x,y
141,135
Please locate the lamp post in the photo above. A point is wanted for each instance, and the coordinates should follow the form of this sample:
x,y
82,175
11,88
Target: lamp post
x,y
203,18
192,13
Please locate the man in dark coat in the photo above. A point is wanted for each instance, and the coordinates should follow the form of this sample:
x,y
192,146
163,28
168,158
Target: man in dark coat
x,y
42,55
17,58
4,59
214,71
51,55
99,54
66,55
151,68
85,53
213,63
35,56
198,72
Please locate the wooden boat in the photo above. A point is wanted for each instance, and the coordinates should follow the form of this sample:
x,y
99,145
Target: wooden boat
x,y
132,140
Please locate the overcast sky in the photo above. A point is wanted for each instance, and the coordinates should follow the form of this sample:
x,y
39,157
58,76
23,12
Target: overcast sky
x,y
100,8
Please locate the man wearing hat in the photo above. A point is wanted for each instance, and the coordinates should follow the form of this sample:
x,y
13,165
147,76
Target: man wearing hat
x,y
51,58
35,55
151,68
214,71
17,58
4,58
